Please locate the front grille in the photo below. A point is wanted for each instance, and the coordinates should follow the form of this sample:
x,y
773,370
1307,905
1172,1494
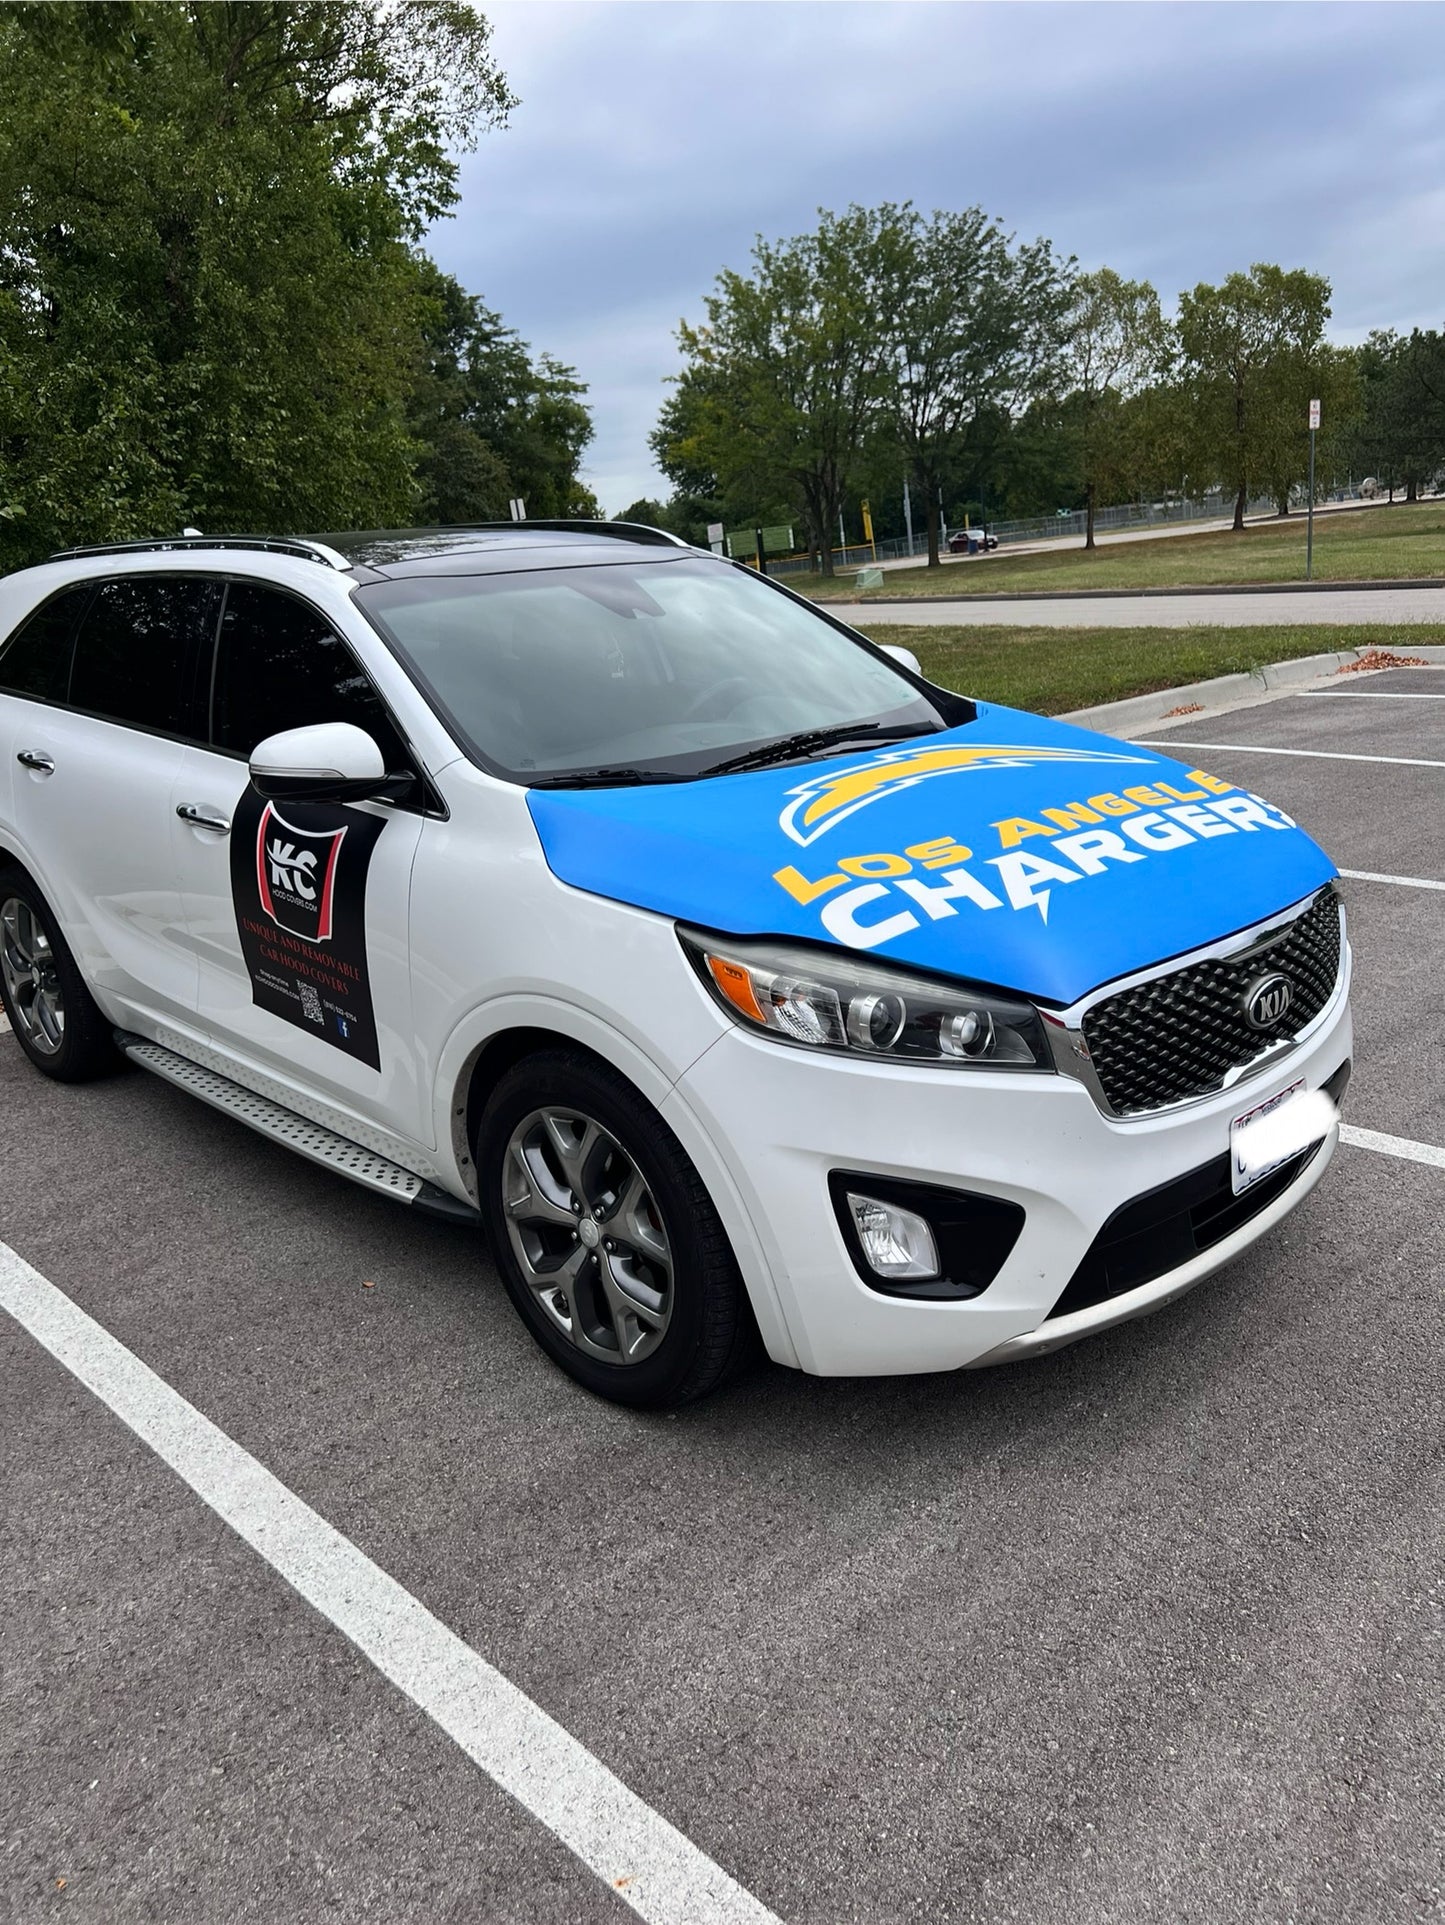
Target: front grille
x,y
1178,1036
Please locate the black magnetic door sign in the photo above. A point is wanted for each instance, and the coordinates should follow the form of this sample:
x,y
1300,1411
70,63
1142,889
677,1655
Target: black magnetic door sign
x,y
298,881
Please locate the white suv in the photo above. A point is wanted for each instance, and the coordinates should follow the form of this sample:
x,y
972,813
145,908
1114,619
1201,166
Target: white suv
x,y
736,978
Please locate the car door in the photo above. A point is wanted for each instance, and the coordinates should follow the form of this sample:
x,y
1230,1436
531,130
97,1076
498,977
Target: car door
x,y
298,912
98,740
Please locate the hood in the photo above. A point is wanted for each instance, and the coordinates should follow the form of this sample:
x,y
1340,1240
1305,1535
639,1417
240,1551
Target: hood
x,y
1013,850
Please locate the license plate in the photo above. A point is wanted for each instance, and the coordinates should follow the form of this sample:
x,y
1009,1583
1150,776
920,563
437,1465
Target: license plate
x,y
1240,1175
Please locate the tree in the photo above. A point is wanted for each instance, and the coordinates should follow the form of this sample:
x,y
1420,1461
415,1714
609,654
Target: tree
x,y
461,475
973,327
649,513
1249,348
679,447
1401,430
210,306
1033,462
1116,341
1329,375
787,371
489,423
682,441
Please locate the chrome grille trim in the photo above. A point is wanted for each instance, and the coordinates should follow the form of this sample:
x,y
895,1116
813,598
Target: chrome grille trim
x,y
1074,1057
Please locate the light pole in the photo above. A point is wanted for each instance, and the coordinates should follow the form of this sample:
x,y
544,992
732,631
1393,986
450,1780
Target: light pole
x,y
1310,523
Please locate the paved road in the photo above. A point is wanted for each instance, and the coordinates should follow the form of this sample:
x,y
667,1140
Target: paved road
x,y
1387,606
1147,1631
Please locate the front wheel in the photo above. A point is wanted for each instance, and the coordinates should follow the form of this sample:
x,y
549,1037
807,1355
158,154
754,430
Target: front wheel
x,y
46,1002
606,1239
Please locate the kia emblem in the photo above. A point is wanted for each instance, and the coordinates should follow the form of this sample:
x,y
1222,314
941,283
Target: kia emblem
x,y
1267,1000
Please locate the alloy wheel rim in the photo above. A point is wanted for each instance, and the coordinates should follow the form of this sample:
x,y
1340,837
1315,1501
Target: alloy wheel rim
x,y
588,1236
32,984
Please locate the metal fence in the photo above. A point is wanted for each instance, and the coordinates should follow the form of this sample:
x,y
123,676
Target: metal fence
x,y
1135,514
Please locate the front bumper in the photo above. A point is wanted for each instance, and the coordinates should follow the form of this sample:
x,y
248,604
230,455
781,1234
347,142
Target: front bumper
x,y
781,1119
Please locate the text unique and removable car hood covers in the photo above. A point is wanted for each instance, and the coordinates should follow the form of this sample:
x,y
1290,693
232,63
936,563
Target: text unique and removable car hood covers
x,y
1013,850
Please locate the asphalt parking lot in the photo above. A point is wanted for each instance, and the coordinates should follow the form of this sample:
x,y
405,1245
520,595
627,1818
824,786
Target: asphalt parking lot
x,y
1151,1629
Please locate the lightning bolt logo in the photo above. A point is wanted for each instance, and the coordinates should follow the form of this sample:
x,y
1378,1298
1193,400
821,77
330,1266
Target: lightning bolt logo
x,y
814,807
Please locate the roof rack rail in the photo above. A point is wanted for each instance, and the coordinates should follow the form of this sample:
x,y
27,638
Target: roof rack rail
x,y
316,551
616,530
636,531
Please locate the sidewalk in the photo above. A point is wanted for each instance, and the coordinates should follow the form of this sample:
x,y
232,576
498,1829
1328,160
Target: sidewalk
x,y
1272,605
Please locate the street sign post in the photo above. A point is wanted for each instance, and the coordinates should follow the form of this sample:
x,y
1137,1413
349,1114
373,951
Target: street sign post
x,y
747,544
715,537
1310,524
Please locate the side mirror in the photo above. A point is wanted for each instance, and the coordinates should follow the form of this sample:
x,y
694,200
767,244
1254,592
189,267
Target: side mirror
x,y
904,655
329,762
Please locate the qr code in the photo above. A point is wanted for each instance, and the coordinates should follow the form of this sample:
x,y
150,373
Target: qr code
x,y
310,1004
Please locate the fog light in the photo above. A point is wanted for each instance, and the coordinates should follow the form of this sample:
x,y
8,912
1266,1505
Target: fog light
x,y
895,1242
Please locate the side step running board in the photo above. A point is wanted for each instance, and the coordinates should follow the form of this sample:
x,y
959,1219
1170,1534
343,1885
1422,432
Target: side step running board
x,y
299,1133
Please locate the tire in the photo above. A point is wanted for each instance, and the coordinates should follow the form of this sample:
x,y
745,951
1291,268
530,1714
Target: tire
x,y
46,1002
565,1140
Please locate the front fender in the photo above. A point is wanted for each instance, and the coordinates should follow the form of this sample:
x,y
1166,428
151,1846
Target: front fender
x,y
569,1023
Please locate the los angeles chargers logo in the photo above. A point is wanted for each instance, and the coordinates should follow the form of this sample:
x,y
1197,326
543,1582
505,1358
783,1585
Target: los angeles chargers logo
x,y
815,806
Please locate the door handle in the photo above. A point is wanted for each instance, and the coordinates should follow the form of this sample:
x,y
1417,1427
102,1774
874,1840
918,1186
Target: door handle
x,y
200,819
33,759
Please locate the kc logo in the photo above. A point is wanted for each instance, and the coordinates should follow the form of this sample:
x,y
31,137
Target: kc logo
x,y
292,869
296,875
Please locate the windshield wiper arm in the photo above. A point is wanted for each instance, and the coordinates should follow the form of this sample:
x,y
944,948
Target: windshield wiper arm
x,y
789,746
607,779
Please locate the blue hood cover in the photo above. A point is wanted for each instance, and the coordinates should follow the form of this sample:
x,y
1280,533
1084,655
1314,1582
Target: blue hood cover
x,y
1013,850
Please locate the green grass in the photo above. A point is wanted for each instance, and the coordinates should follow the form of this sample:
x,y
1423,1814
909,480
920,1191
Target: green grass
x,y
1367,544
1053,670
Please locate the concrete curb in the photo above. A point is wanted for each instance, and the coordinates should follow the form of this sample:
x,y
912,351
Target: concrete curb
x,y
1133,594
1221,693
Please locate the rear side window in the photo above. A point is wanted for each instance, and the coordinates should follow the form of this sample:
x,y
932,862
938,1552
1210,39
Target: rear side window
x,y
36,659
280,665
139,654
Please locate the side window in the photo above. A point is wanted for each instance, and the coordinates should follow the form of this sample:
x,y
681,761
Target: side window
x,y
36,659
280,665
139,652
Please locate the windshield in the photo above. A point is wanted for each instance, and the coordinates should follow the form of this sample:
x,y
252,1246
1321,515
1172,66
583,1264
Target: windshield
x,y
642,668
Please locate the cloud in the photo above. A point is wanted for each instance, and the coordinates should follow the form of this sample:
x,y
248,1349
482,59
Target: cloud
x,y
653,141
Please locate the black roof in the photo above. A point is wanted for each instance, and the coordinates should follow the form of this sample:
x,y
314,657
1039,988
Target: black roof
x,y
462,550
384,548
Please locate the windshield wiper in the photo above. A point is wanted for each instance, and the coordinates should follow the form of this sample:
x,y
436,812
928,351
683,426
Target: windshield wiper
x,y
608,779
789,746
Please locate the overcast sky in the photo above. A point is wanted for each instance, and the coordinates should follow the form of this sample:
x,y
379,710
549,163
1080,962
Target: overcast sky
x,y
1175,142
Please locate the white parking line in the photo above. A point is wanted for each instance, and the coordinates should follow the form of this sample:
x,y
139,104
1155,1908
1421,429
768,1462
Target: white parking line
x,y
1383,1145
1371,695
1320,755
1401,882
650,1865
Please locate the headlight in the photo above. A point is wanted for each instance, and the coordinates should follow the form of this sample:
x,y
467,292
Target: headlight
x,y
812,998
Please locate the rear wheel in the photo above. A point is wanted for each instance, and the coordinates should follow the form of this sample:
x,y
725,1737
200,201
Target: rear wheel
x,y
606,1239
52,1013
